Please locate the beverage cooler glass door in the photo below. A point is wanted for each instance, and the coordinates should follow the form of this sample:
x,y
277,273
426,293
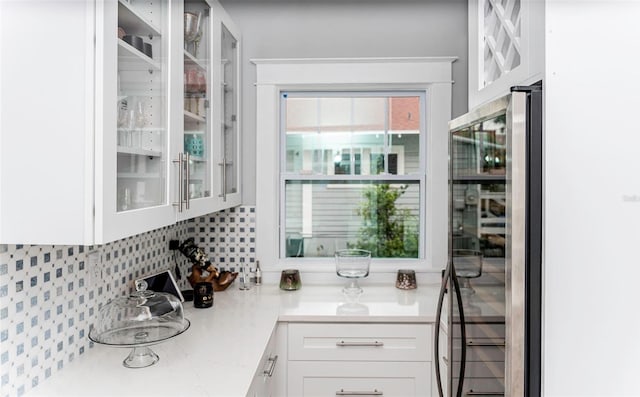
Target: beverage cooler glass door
x,y
142,91
478,207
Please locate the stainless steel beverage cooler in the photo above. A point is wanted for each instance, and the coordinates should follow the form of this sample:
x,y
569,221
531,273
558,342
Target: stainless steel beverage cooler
x,y
487,341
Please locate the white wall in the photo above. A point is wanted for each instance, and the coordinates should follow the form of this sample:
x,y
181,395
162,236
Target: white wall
x,y
592,255
336,28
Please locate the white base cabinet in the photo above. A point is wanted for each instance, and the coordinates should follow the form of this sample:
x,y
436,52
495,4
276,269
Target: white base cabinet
x,y
272,368
263,380
342,359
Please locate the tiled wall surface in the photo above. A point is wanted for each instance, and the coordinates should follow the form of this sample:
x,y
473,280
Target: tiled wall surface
x,y
228,237
48,297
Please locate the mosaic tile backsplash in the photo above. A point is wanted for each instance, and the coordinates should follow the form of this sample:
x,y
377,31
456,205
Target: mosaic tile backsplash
x,y
49,295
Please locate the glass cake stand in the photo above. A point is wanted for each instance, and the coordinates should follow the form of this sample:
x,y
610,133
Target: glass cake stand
x,y
138,321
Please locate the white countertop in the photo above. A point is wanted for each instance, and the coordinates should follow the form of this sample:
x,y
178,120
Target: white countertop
x,y
220,353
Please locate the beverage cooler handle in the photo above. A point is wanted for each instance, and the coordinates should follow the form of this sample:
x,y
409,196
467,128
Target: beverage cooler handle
x,y
450,273
436,339
463,332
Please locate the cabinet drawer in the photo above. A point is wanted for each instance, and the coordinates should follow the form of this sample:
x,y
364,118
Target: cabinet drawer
x,y
354,342
330,379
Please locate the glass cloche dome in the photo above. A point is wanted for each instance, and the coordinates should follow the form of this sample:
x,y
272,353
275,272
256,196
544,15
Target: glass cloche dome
x,y
139,320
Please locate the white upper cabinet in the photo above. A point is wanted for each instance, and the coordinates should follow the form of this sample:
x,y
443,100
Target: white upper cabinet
x,y
227,36
506,46
209,146
133,169
110,118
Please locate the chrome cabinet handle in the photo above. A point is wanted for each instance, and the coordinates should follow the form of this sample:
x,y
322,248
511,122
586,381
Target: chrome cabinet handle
x,y
180,183
224,180
188,180
472,343
272,366
483,393
223,164
343,392
347,344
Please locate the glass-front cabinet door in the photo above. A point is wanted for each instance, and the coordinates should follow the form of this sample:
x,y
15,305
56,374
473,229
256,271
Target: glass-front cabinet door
x,y
169,127
197,136
132,118
142,103
206,158
229,112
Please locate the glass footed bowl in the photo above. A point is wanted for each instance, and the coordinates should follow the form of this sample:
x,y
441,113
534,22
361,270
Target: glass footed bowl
x,y
137,321
352,264
468,265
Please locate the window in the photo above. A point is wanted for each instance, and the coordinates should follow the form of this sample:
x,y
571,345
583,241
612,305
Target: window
x,y
353,172
333,145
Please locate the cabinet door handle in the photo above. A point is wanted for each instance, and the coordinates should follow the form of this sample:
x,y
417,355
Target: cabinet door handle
x,y
272,366
180,182
224,179
472,342
347,344
343,392
188,180
483,393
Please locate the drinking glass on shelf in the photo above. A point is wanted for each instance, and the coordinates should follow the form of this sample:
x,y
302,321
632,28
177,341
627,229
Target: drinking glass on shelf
x,y
122,123
191,80
190,88
201,82
134,122
126,123
139,114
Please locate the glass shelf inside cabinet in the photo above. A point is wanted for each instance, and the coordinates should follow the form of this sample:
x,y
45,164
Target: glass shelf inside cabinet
x,y
142,106
135,20
133,59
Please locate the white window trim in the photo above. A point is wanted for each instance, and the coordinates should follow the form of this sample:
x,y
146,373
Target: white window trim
x,y
432,75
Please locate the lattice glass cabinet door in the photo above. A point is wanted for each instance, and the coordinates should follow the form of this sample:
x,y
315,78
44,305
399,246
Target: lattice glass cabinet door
x,y
502,23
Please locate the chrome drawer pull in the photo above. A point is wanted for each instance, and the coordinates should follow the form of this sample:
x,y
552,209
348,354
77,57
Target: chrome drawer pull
x,y
483,393
483,343
346,344
272,360
343,392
